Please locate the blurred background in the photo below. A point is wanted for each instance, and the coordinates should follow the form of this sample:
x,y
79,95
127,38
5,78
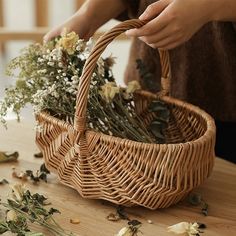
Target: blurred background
x,y
25,21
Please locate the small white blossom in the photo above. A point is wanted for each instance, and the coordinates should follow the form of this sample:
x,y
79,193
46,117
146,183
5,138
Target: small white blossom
x,y
60,64
74,78
50,63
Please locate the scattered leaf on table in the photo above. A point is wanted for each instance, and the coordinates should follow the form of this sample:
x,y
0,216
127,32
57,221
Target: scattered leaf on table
x,y
195,199
204,209
113,217
74,221
120,210
19,175
185,228
201,225
38,155
4,181
8,157
40,174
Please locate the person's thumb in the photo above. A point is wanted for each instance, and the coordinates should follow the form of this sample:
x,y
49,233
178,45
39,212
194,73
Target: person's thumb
x,y
51,34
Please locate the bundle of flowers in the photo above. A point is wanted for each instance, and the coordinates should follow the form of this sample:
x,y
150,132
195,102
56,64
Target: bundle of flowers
x,y
48,76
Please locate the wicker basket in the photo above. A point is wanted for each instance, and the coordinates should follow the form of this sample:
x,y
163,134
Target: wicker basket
x,y
122,171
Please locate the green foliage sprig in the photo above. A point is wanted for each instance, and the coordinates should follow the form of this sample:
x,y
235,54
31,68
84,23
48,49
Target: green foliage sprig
x,y
23,208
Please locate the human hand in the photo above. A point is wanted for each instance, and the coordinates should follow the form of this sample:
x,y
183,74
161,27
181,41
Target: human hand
x,y
91,15
76,23
172,22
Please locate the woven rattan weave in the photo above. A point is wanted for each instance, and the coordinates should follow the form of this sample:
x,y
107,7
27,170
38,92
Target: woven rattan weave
x,y
122,171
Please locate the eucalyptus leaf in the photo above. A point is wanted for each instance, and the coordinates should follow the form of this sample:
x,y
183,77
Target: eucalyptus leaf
x,y
30,209
43,168
38,155
195,199
148,79
156,129
3,228
134,223
164,115
156,105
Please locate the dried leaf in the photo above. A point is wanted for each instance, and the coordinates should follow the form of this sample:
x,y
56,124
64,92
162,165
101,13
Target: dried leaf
x,y
125,231
134,223
22,208
8,157
121,213
19,175
11,215
39,175
75,221
113,217
157,129
204,209
195,199
4,181
43,168
185,228
3,228
38,155
201,226
156,105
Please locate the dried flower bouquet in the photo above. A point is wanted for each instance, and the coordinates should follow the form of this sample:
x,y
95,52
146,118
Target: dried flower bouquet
x,y
48,76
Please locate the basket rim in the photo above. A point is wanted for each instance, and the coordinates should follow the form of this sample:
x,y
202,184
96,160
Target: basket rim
x,y
210,130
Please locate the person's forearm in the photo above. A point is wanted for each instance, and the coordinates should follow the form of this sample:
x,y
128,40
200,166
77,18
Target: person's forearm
x,y
99,12
225,10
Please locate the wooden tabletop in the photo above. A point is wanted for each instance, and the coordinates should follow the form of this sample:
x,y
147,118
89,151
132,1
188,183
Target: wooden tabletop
x,y
219,191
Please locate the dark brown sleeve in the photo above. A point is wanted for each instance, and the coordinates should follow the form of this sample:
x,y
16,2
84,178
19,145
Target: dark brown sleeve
x,y
234,25
131,12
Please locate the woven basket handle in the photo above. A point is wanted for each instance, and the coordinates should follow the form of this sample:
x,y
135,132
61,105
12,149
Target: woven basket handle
x,y
100,46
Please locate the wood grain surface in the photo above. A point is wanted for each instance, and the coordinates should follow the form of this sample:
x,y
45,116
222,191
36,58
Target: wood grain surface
x,y
219,191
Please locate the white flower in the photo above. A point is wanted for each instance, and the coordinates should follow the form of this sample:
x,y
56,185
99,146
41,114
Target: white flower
x,y
11,216
184,228
68,42
50,63
109,90
126,231
60,64
133,86
74,78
